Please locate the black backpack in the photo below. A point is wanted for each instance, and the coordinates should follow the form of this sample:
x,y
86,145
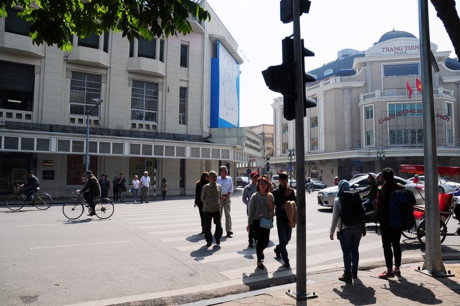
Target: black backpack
x,y
401,210
352,208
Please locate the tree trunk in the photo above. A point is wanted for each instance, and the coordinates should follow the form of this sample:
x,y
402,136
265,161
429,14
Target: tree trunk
x,y
448,14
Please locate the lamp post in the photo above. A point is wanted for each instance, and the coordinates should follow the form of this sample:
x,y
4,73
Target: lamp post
x,y
88,112
380,157
291,154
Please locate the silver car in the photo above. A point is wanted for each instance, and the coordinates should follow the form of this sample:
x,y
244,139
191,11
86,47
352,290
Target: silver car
x,y
327,195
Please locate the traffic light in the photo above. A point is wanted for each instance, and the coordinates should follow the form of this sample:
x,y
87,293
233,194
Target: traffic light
x,y
286,9
282,78
267,167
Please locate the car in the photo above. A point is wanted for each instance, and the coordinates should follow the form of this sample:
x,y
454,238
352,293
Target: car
x,y
327,196
242,181
317,184
444,185
276,181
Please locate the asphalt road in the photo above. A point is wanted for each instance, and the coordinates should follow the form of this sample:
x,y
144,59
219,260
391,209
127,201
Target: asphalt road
x,y
154,251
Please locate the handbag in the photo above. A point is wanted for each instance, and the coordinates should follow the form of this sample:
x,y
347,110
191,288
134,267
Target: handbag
x,y
266,223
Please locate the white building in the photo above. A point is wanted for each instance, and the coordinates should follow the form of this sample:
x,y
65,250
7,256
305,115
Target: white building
x,y
155,114
365,119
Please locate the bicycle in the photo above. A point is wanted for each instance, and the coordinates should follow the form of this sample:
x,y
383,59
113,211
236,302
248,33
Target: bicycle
x,y
41,200
73,210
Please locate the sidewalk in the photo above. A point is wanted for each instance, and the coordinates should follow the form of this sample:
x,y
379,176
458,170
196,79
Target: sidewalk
x,y
412,288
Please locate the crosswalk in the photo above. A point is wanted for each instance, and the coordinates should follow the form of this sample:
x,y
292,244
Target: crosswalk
x,y
177,225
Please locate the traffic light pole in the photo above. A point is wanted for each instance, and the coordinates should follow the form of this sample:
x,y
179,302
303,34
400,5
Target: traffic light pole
x,y
301,286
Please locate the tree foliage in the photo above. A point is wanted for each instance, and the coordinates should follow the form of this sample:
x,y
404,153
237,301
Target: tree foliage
x,y
55,21
448,14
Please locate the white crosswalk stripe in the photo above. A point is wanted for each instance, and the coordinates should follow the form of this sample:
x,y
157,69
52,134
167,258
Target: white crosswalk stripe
x,y
178,225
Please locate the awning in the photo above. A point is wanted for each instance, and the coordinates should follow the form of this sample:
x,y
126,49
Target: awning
x,y
420,169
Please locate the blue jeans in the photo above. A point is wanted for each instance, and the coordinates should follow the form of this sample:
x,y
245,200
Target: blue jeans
x,y
284,235
349,242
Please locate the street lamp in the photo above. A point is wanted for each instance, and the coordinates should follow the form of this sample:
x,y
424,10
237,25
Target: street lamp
x,y
381,154
88,112
291,154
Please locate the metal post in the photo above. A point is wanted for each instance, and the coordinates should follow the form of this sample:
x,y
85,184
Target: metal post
x,y
291,153
301,286
87,133
433,262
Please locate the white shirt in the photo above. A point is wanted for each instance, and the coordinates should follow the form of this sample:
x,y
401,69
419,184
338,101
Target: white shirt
x,y
226,183
145,181
135,184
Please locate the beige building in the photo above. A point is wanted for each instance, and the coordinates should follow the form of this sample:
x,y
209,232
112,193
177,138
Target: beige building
x,y
155,114
366,118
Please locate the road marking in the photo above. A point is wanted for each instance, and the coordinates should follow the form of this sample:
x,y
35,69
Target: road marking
x,y
43,224
79,245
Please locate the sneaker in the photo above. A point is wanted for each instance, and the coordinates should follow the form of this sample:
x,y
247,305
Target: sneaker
x,y
277,254
345,278
208,244
397,272
229,234
386,275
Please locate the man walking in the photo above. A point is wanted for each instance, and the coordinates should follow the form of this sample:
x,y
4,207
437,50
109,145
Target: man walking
x,y
248,191
227,189
282,194
145,185
210,196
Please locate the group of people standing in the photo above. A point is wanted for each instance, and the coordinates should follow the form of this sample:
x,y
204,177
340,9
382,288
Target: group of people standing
x,y
212,198
380,190
138,187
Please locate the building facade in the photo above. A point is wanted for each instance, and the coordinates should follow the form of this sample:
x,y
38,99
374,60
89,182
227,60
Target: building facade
x,y
369,111
148,104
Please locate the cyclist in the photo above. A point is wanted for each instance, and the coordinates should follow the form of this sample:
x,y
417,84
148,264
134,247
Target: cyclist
x,y
31,186
91,190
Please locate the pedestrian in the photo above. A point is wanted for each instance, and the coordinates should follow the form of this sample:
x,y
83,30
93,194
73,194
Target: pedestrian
x,y
164,188
121,188
204,179
283,194
115,189
379,179
105,186
90,191
145,185
416,179
248,191
261,206
211,195
390,236
336,181
135,188
348,235
227,189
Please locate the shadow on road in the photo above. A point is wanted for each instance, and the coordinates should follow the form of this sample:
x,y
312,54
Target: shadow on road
x,y
325,210
366,295
204,252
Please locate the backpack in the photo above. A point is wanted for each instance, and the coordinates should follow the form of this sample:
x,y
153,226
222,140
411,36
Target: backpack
x,y
401,210
352,208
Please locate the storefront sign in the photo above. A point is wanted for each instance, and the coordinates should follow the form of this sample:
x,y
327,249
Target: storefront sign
x,y
407,112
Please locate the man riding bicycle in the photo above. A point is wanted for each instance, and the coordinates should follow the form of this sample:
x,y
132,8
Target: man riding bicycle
x,y
91,190
32,185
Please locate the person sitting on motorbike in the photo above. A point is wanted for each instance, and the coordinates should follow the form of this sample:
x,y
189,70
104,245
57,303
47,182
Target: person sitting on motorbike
x,y
371,195
31,186
309,185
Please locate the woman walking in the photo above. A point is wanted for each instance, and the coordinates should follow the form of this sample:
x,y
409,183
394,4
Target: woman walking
x,y
204,179
261,206
164,188
349,236
135,189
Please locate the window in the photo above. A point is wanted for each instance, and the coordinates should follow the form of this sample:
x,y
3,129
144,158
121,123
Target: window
x,y
183,105
401,69
314,144
146,48
17,82
314,122
370,138
369,112
406,137
85,92
184,56
144,101
405,110
14,24
90,41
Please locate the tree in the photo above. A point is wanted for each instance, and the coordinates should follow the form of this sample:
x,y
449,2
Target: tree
x,y
448,14
55,21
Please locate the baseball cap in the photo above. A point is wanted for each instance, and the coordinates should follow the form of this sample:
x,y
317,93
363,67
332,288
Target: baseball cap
x,y
254,174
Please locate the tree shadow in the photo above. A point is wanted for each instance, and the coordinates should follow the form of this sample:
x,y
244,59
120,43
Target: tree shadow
x,y
414,292
204,252
357,293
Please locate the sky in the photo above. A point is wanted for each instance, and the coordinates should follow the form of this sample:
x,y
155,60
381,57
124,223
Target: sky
x,y
330,26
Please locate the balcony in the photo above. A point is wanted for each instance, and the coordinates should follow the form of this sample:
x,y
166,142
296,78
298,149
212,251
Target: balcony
x,y
88,56
146,66
21,45
401,94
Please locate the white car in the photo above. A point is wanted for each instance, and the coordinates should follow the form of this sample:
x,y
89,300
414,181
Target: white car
x,y
327,196
444,185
